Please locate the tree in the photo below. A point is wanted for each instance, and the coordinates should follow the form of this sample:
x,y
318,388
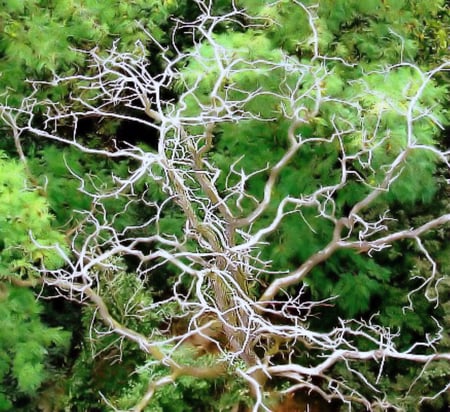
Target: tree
x,y
29,348
281,169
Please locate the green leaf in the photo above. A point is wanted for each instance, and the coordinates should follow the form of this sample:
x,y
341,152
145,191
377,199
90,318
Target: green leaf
x,y
355,291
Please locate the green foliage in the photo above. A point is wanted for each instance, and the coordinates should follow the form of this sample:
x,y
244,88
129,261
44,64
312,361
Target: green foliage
x,y
116,361
26,233
383,97
357,291
60,170
24,345
27,242
39,37
372,34
187,394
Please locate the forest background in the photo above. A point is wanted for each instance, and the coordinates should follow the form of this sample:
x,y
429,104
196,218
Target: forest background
x,y
100,261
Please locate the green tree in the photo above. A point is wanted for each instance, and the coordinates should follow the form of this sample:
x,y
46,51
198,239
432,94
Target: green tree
x,y
31,352
295,140
28,347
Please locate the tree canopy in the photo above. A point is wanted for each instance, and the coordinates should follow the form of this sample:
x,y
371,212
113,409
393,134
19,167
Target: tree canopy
x,y
228,206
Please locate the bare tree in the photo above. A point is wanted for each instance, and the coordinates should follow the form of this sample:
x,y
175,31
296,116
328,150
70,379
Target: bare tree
x,y
218,250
